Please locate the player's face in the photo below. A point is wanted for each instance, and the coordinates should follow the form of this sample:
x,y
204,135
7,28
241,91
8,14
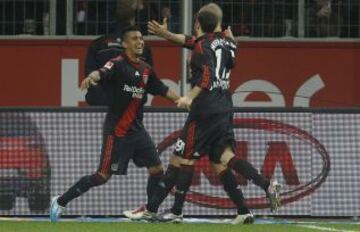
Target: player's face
x,y
134,43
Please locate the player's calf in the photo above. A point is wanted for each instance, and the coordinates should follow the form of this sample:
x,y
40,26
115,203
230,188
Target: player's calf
x,y
156,196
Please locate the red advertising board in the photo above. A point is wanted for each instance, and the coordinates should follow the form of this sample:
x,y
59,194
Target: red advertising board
x,y
316,74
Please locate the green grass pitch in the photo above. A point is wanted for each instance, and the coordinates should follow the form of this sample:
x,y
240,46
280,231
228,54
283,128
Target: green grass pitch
x,y
30,226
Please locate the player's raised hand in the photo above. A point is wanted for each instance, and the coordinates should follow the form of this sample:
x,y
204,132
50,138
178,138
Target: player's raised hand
x,y
228,33
90,80
158,29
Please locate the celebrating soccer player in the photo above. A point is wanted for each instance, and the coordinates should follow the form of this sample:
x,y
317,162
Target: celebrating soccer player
x,y
208,129
124,135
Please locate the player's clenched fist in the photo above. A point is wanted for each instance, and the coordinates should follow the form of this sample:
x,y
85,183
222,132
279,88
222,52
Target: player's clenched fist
x,y
90,80
184,102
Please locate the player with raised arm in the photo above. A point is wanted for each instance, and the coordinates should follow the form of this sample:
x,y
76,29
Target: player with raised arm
x,y
212,59
124,135
109,46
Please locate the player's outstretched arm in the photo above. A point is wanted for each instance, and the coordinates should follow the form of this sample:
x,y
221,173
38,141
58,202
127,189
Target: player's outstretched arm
x,y
171,95
162,31
157,87
90,80
185,102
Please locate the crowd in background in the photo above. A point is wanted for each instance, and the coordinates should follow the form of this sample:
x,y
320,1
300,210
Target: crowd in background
x,y
254,18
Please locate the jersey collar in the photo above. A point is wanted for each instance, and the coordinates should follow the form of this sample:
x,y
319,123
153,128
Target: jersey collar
x,y
135,64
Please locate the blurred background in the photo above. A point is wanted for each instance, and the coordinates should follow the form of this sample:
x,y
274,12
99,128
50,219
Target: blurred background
x,y
313,43
302,56
253,18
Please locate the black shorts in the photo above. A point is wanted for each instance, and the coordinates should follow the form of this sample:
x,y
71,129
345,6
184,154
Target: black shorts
x,y
116,151
206,136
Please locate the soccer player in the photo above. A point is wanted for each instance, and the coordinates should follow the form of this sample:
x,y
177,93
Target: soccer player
x,y
107,47
208,128
124,136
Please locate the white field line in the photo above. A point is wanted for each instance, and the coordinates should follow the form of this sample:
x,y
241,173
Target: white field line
x,y
321,228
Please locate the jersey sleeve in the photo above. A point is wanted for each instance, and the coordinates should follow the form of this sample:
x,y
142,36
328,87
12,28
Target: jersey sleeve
x,y
110,69
96,96
156,86
205,69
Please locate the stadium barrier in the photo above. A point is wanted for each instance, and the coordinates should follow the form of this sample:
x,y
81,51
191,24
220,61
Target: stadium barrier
x,y
314,153
322,73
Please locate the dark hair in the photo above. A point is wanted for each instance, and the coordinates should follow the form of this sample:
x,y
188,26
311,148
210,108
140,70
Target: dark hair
x,y
208,21
127,30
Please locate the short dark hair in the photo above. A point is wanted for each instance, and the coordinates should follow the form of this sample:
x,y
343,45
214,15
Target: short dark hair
x,y
208,21
127,30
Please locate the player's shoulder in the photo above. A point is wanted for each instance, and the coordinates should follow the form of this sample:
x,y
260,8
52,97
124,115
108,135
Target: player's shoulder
x,y
220,39
114,62
202,44
230,41
118,59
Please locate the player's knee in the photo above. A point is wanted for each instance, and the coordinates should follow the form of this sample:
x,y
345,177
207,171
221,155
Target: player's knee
x,y
218,168
101,178
226,156
187,162
175,161
156,170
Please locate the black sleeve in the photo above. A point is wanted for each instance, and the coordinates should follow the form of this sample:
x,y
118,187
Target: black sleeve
x,y
189,42
96,96
156,86
110,70
91,63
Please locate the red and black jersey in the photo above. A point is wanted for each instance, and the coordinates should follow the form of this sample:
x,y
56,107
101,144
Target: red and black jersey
x,y
130,82
212,59
99,52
